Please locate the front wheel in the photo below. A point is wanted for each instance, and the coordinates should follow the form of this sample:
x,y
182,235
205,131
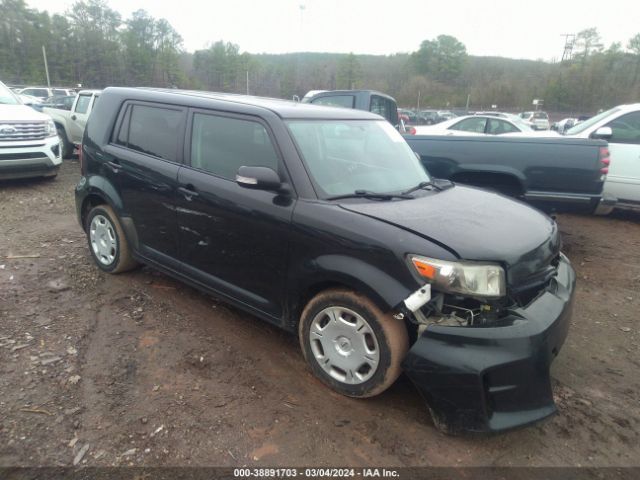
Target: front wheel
x,y
66,147
350,344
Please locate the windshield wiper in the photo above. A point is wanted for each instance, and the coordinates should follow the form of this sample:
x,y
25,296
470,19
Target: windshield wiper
x,y
437,185
371,195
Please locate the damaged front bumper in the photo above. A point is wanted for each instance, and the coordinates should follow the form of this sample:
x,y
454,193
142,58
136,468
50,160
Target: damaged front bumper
x,y
490,379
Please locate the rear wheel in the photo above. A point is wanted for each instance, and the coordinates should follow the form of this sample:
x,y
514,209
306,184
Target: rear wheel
x,y
350,344
107,242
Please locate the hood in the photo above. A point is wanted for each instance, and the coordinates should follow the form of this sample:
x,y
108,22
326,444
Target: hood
x,y
20,113
476,225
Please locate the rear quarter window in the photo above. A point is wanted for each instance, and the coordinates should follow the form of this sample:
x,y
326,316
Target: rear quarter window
x,y
151,130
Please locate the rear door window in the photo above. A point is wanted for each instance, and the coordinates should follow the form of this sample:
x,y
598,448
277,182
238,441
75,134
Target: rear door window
x,y
498,127
473,124
221,145
344,101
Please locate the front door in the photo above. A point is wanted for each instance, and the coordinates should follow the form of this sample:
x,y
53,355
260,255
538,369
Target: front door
x,y
233,239
623,180
78,117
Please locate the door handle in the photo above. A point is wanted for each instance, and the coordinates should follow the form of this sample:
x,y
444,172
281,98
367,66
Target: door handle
x,y
189,192
114,166
73,117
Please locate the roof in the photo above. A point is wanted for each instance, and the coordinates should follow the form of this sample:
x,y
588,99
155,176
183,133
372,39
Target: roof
x,y
325,93
283,108
630,107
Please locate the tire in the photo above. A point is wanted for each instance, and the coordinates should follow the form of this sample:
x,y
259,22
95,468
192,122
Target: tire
x,y
355,332
66,148
107,243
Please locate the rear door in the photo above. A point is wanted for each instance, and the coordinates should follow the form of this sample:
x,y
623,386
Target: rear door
x,y
233,239
143,161
623,180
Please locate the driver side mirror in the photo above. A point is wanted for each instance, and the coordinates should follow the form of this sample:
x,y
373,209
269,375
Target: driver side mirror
x,y
258,178
603,133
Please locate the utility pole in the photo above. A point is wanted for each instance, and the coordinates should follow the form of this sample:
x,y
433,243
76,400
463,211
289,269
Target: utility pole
x,y
418,101
46,67
247,82
468,100
569,40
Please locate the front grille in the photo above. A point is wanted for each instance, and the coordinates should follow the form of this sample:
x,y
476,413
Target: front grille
x,y
536,283
22,156
22,131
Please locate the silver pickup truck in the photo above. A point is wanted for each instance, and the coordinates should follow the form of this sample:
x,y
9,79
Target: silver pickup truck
x,y
70,123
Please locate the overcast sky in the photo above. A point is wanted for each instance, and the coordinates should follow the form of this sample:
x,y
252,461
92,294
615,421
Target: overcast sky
x,y
508,28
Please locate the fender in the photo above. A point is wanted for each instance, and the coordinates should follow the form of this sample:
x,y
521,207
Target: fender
x,y
60,124
99,186
385,291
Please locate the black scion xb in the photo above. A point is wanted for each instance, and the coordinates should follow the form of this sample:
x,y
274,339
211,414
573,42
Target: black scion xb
x,y
323,221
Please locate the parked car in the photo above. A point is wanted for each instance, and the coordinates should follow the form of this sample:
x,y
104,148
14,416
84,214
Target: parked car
x,y
70,123
29,144
412,117
476,125
368,100
551,173
561,126
323,222
30,101
446,115
538,120
428,117
620,126
46,92
62,103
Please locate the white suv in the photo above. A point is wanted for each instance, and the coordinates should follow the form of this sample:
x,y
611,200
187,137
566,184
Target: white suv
x,y
619,126
537,120
29,143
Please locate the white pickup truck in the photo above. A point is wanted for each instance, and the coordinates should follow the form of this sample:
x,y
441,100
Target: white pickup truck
x,y
620,126
70,123
29,145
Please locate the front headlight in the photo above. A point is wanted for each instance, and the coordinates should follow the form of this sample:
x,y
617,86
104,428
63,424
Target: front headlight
x,y
466,278
51,129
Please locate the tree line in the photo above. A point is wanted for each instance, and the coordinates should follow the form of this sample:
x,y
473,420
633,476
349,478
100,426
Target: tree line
x,y
93,45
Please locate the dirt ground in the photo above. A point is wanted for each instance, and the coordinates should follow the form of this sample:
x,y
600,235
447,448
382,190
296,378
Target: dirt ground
x,y
138,369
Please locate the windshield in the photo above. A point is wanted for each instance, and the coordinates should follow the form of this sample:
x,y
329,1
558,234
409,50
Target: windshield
x,y
581,127
343,156
7,97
